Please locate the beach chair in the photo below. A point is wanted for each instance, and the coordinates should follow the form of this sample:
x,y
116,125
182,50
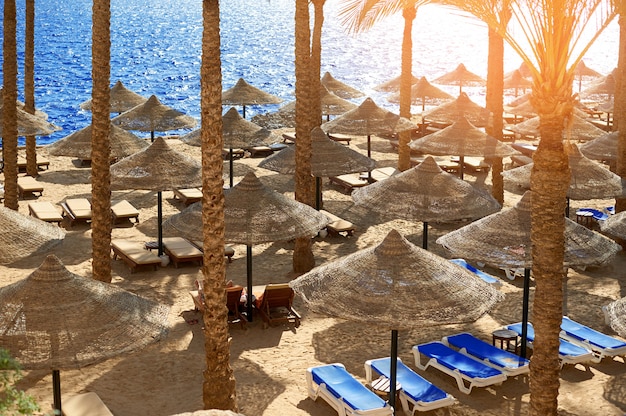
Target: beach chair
x,y
275,305
229,251
181,250
27,185
349,181
380,174
134,255
602,345
337,225
505,361
45,211
569,353
41,162
85,404
416,393
123,210
233,303
260,151
468,372
343,392
492,280
76,210
188,195
596,214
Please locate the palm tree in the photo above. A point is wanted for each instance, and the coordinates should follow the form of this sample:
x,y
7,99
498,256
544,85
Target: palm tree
x,y
360,15
218,389
9,121
551,45
29,85
303,260
619,115
100,146
316,61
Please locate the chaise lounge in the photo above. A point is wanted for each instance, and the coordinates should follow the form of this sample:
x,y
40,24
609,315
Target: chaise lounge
x,y
45,211
123,210
275,305
76,210
602,345
337,225
188,195
181,250
134,255
27,185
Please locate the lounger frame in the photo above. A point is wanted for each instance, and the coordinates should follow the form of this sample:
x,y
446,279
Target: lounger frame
x,y
594,345
137,257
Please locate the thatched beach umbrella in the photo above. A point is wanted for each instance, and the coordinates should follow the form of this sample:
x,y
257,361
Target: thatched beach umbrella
x,y
393,85
503,239
396,285
462,138
23,235
157,168
451,111
583,71
57,320
579,129
602,86
121,99
460,76
245,94
428,194
153,116
339,88
602,148
615,225
328,158
78,144
30,125
366,120
253,214
516,81
423,91
615,313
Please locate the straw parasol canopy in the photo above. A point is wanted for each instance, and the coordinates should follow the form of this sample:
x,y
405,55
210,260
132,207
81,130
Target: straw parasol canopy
x,y
23,235
523,109
121,99
423,91
339,88
588,180
614,313
328,158
602,86
54,319
78,144
153,116
460,76
580,129
602,148
448,113
30,125
615,225
396,285
583,71
245,94
393,85
516,81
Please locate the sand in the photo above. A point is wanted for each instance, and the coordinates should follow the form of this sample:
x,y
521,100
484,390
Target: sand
x,y
269,364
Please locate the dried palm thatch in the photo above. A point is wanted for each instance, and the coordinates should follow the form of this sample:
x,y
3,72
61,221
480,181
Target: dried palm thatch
x,y
615,313
328,158
396,285
153,116
503,239
121,99
452,111
156,168
55,319
460,76
30,125
464,139
393,85
589,179
243,93
515,80
423,92
579,129
602,86
24,235
78,144
426,193
615,225
339,88
602,148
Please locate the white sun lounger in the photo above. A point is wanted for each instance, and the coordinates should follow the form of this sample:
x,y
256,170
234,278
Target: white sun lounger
x,y
602,345
468,372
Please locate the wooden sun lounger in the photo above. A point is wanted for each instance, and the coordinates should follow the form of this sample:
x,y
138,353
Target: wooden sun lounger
x,y
380,174
340,138
45,211
349,181
42,163
181,250
27,185
76,210
123,210
260,151
134,254
474,164
337,225
188,195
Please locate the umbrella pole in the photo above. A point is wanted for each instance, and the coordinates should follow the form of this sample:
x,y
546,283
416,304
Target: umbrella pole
x,y
461,166
318,193
249,279
393,369
160,221
425,236
152,136
56,390
567,207
230,165
525,311
369,154
244,111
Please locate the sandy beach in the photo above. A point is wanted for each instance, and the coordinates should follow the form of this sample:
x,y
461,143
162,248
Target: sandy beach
x,y
269,364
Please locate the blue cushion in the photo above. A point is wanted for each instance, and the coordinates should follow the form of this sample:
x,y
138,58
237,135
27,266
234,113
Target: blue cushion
x,y
454,360
486,351
594,337
565,347
485,276
344,386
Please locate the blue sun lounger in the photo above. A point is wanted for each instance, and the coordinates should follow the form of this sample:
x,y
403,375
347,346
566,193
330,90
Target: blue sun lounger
x,y
601,344
343,392
595,213
569,353
505,361
467,371
416,393
492,280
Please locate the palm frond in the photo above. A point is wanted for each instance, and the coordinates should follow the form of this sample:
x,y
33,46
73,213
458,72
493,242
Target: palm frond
x,y
360,15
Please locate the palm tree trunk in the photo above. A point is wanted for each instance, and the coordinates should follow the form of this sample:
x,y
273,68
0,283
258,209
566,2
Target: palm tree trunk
x,y
9,122
100,146
218,389
316,62
29,85
619,115
406,77
495,86
303,259
549,182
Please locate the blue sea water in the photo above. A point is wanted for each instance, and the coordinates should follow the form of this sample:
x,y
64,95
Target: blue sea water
x,y
156,49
